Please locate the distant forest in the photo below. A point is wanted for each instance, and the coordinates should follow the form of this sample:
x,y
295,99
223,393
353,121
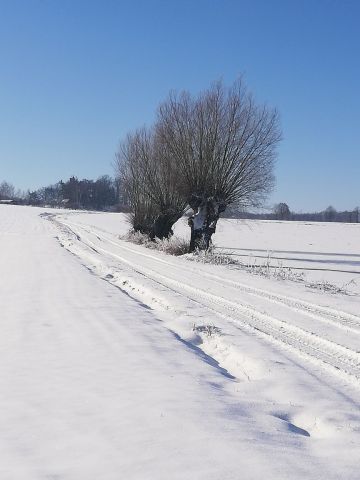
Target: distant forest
x,y
106,194
101,194
281,211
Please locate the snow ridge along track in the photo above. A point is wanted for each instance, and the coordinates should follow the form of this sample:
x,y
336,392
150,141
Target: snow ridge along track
x,y
346,320
341,359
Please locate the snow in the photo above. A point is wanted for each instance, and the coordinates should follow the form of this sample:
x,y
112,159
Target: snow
x,y
146,366
324,251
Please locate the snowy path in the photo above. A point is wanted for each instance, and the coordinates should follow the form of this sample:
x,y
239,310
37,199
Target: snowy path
x,y
327,335
94,386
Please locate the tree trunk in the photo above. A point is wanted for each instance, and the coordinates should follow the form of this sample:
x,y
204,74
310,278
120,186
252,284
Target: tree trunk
x,y
203,222
162,227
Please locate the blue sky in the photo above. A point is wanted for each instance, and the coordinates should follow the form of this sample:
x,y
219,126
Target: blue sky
x,y
76,76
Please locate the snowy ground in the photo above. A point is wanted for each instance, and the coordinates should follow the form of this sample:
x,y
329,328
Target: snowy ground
x,y
323,251
155,367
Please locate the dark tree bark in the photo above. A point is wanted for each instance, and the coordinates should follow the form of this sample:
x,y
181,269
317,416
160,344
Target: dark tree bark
x,y
203,222
162,226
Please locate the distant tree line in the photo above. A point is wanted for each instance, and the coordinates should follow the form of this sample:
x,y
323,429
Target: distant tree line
x,y
281,211
8,192
106,193
101,194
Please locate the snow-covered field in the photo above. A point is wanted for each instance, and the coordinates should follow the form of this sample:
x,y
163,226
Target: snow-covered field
x,y
148,366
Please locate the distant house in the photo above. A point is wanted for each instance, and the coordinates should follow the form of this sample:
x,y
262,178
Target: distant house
x,y
6,202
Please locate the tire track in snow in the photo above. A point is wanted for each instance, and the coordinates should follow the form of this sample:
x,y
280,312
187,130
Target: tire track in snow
x,y
340,319
319,350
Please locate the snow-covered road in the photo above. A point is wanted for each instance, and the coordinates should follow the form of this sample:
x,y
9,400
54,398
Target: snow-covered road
x,y
96,385
318,329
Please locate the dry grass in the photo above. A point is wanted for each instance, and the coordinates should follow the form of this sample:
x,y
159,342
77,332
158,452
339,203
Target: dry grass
x,y
328,287
171,246
211,257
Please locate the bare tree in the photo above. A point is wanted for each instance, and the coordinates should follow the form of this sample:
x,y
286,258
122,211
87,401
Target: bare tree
x,y
282,211
223,145
149,178
356,214
330,214
7,191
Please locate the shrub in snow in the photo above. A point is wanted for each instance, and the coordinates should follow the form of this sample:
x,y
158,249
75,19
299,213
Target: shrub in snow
x,y
269,270
208,330
328,287
136,237
172,246
212,257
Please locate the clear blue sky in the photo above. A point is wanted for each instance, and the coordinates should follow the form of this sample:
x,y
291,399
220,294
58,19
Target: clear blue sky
x,y
75,76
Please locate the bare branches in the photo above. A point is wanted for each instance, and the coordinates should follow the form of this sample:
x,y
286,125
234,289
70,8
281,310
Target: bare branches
x,y
149,178
224,144
207,151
